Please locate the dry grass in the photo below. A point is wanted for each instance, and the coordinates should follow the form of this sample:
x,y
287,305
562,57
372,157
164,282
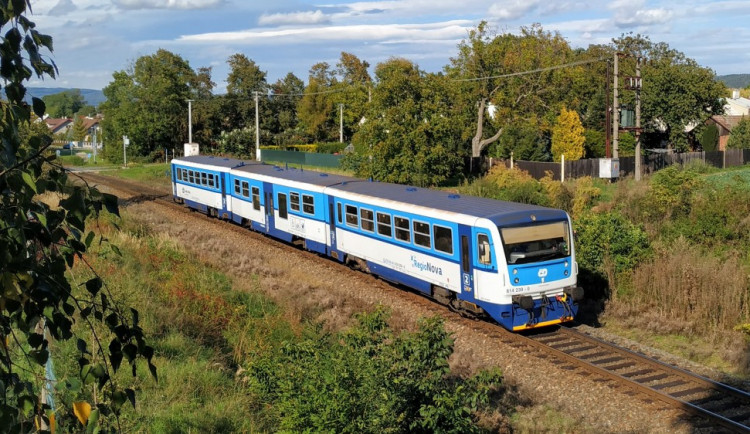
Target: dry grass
x,y
695,298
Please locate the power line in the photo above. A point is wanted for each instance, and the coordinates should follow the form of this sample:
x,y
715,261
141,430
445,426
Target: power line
x,y
533,71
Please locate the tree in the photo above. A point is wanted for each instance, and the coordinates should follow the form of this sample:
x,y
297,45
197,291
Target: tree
x,y
245,77
316,106
740,136
353,89
64,104
244,80
512,74
39,245
79,130
148,104
410,134
677,92
285,96
567,136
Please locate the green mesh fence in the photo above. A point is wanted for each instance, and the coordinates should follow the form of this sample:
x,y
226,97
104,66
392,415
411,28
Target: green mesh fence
x,y
304,158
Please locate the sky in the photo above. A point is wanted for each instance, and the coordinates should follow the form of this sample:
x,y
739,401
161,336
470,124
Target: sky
x,y
95,38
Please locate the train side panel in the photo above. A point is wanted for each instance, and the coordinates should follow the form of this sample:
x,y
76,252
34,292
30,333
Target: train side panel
x,y
398,245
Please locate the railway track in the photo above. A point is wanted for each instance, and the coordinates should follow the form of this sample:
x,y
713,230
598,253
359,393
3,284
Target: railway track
x,y
711,405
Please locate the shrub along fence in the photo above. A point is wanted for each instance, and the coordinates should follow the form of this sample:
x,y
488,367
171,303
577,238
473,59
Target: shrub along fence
x,y
649,163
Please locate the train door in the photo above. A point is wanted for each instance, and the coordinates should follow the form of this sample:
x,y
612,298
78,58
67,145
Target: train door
x,y
467,280
331,225
268,189
485,265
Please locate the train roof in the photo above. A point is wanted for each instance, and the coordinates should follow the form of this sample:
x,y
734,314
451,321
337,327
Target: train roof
x,y
211,160
497,211
293,174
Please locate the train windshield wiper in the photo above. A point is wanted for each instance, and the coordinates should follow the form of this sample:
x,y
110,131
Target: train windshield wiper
x,y
515,256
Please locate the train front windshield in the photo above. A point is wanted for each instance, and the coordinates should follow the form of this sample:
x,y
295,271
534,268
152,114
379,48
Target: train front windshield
x,y
536,243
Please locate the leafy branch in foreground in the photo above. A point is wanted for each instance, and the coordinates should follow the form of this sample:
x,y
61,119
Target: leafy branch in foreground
x,y
38,245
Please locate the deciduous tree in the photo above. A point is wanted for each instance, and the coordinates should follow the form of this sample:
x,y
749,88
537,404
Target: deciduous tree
x,y
409,135
567,136
39,244
315,109
677,92
148,104
64,104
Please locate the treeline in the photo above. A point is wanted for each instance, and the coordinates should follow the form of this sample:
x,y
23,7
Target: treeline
x,y
501,93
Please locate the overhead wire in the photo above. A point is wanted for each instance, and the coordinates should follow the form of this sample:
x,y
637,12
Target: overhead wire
x,y
533,71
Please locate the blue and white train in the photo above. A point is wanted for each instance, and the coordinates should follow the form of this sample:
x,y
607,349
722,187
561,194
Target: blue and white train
x,y
513,262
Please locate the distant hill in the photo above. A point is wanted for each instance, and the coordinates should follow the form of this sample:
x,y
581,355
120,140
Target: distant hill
x,y
91,96
735,81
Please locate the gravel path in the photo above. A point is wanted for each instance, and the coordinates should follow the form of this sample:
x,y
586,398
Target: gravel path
x,y
310,285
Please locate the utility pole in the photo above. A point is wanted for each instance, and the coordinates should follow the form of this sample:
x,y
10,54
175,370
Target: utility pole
x,y
608,114
341,123
96,129
638,118
615,112
257,129
190,121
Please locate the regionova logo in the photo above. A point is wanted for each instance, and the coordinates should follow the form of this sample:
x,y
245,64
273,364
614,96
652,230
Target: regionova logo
x,y
426,266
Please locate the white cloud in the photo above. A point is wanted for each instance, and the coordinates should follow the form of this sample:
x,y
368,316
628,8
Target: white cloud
x,y
513,9
645,17
450,30
298,18
167,4
63,7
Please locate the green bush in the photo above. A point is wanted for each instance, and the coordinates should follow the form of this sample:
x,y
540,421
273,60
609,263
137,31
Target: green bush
x,y
367,379
608,242
331,148
670,192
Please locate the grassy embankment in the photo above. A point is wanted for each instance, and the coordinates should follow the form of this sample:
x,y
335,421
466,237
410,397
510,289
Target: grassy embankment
x,y
665,261
229,359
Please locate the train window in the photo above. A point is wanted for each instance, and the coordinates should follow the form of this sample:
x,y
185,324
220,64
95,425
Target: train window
x,y
237,189
211,180
204,178
184,175
245,189
367,223
294,201
338,210
402,229
421,234
351,215
485,253
384,224
540,242
178,174
443,239
281,199
256,198
191,177
308,204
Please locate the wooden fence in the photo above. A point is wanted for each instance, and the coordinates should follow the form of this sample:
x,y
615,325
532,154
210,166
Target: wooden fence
x,y
649,163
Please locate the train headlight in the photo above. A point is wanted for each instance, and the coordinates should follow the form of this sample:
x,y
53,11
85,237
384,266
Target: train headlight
x,y
516,280
566,272
566,265
515,271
